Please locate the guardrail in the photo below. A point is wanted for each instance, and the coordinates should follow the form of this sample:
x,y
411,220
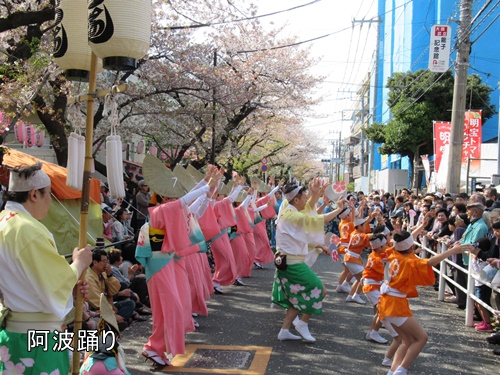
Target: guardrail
x,y
471,278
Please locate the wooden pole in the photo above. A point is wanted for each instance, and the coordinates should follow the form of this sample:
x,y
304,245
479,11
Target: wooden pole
x,y
84,209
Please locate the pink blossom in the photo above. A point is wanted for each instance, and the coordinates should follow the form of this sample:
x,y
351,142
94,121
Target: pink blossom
x,y
4,354
317,305
12,369
293,301
296,288
315,293
339,187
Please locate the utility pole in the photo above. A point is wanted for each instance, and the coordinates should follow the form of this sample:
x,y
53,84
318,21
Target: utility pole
x,y
377,21
459,92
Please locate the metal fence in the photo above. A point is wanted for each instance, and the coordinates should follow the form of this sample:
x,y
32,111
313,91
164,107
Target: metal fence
x,y
479,171
471,278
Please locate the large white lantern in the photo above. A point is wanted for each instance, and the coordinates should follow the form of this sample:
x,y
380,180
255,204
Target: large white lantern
x,y
71,48
119,31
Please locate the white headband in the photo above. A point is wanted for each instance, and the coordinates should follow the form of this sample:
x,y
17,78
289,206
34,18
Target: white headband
x,y
403,245
345,212
289,196
38,180
379,242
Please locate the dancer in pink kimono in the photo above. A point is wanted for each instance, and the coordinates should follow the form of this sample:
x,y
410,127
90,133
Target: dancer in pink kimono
x,y
242,256
171,221
225,264
265,205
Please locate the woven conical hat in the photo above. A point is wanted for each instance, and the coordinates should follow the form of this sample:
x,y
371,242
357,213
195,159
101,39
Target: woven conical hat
x,y
196,174
261,186
226,188
241,196
160,179
187,181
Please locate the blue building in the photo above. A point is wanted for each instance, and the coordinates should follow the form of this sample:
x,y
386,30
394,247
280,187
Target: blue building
x,y
404,39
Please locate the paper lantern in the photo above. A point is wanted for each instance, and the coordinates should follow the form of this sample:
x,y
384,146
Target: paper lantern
x,y
140,147
163,156
39,138
119,31
71,49
30,136
19,131
153,150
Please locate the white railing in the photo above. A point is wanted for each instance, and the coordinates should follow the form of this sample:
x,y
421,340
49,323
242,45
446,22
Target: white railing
x,y
443,278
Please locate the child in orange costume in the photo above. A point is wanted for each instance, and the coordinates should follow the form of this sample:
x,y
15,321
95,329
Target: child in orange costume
x,y
405,272
352,260
373,277
346,227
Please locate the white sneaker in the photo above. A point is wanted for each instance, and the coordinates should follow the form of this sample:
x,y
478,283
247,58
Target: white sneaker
x,y
303,329
343,288
400,371
358,299
196,324
349,298
375,336
296,320
387,362
285,334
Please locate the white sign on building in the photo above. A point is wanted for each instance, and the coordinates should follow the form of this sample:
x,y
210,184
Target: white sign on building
x,y
439,51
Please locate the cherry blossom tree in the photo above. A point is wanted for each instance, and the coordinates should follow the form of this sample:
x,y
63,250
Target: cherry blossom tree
x,y
214,85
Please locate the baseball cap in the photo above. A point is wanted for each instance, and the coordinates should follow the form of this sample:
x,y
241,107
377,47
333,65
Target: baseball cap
x,y
143,183
107,209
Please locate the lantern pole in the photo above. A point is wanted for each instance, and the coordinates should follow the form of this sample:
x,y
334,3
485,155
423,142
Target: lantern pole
x,y
84,208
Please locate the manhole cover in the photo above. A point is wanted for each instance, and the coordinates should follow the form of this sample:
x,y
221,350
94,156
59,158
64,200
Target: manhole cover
x,y
221,359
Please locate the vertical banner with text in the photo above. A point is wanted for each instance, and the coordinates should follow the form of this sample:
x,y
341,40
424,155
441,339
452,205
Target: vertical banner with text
x,y
471,147
439,49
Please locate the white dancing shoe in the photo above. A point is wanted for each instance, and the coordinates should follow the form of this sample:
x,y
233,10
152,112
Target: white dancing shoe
x,y
375,336
296,320
303,329
285,335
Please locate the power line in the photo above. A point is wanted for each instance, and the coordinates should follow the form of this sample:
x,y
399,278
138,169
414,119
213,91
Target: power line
x,y
238,20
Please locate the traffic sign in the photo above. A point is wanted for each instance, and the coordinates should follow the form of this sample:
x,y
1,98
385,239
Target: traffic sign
x,y
264,160
264,168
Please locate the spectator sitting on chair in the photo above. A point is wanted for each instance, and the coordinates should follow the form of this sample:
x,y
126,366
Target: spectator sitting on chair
x,y
134,281
101,280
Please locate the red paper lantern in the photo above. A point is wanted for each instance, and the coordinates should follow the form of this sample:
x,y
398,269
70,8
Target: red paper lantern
x,y
30,136
153,150
39,138
19,131
140,147
163,156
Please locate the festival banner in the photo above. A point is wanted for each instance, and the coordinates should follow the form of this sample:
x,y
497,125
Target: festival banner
x,y
427,168
442,130
471,147
472,138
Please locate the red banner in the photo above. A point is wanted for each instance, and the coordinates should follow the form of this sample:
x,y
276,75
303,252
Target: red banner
x,y
442,130
472,137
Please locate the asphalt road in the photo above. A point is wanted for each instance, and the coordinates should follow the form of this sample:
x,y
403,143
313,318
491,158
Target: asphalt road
x,y
243,317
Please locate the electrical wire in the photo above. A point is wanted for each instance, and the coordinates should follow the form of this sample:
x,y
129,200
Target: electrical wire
x,y
238,20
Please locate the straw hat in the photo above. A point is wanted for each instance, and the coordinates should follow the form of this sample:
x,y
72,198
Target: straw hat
x,y
225,189
261,186
107,313
187,181
196,174
241,196
160,179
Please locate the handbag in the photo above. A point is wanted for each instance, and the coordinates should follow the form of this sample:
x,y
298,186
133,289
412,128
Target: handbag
x,y
280,261
487,273
495,283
